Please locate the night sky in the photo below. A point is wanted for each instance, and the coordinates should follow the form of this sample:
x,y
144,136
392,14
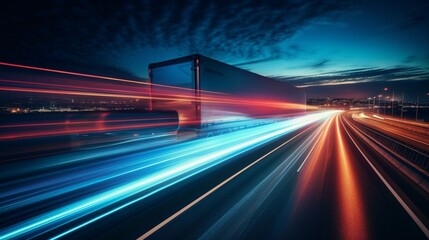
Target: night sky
x,y
333,48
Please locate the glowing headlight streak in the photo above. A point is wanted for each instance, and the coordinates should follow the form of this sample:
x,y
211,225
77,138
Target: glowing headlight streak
x,y
239,216
31,125
77,85
161,156
82,130
93,175
122,80
185,95
352,215
161,177
376,116
312,168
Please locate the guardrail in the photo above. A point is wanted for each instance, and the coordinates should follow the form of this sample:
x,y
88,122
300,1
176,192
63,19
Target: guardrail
x,y
416,156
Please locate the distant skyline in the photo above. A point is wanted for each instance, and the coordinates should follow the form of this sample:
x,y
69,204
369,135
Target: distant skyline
x,y
333,48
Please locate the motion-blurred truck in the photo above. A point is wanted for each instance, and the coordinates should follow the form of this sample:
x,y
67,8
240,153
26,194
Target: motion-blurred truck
x,y
207,93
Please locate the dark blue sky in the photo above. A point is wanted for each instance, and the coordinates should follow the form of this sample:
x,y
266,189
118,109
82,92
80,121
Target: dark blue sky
x,y
334,48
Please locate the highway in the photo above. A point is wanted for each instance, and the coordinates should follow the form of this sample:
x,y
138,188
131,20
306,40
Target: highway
x,y
327,175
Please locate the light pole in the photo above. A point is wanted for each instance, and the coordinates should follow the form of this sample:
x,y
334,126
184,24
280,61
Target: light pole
x,y
369,103
373,104
387,89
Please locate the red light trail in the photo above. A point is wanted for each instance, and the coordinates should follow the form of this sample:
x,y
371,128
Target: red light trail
x,y
117,88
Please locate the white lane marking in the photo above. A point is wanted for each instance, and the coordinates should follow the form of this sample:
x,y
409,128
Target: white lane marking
x,y
309,153
169,219
314,145
394,193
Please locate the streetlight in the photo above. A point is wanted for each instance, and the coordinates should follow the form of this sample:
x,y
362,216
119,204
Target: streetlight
x,y
393,99
369,103
379,97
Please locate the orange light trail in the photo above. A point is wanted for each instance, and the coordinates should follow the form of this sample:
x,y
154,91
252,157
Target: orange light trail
x,y
352,217
90,75
311,169
75,93
182,100
132,93
81,130
69,123
170,93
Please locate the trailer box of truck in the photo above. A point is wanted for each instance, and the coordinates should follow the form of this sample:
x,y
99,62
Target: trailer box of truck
x,y
206,92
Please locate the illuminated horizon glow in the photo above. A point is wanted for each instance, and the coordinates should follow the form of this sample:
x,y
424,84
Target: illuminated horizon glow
x,y
206,154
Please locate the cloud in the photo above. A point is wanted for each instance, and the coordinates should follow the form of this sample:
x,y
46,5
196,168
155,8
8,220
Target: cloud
x,y
322,63
356,76
82,31
276,53
268,59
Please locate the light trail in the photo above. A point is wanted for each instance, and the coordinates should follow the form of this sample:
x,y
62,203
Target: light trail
x,y
146,175
122,80
74,93
72,123
351,209
119,88
317,145
376,116
326,125
190,205
86,130
93,128
80,143
238,217
83,75
132,93
327,152
164,92
410,132
397,196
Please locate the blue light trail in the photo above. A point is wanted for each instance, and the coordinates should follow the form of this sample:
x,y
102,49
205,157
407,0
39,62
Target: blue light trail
x,y
129,178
